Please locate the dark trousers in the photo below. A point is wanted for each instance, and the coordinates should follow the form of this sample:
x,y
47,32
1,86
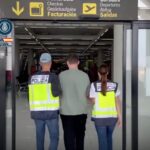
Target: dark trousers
x,y
74,131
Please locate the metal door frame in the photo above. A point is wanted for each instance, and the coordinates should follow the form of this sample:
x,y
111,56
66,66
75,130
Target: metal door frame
x,y
136,25
125,28
125,24
3,98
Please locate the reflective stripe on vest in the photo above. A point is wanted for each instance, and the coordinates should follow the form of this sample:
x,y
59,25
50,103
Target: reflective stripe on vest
x,y
41,98
105,106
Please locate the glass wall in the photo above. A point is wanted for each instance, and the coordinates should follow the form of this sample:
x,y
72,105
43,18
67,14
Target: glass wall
x,y
144,88
128,88
143,9
123,34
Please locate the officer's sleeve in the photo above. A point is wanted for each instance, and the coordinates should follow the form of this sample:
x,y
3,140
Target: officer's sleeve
x,y
56,89
92,91
117,92
29,82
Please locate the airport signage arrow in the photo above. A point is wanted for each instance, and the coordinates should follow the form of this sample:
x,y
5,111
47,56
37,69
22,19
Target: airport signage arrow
x,y
18,10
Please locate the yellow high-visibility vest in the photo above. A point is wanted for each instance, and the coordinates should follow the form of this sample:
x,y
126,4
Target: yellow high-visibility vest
x,y
41,98
105,106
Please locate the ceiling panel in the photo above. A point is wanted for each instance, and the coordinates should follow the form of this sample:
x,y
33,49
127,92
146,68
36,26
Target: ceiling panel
x,y
63,38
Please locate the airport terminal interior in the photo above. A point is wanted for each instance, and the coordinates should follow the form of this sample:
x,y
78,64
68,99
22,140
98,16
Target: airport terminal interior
x,y
60,39
94,43
122,41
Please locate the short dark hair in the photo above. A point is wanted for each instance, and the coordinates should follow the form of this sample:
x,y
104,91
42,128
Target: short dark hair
x,y
73,59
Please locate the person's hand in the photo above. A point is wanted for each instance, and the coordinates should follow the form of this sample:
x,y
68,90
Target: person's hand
x,y
92,100
119,122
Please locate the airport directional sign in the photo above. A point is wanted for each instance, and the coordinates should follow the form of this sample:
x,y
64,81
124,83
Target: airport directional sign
x,y
69,9
18,10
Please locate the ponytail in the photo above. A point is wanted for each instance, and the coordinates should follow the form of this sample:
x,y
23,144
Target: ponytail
x,y
103,71
104,84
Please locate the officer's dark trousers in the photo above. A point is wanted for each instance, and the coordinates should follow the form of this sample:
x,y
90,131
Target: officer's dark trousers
x,y
74,131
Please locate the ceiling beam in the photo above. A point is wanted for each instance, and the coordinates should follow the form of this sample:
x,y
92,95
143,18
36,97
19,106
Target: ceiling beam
x,y
33,36
64,42
63,47
58,37
94,41
43,24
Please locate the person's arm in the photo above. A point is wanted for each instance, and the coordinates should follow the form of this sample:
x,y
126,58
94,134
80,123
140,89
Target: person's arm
x,y
56,89
29,82
119,111
92,100
88,88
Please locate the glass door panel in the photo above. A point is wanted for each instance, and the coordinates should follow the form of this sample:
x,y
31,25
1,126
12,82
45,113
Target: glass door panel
x,y
144,88
128,88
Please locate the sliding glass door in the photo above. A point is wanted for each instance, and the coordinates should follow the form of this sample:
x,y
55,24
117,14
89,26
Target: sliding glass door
x,y
144,86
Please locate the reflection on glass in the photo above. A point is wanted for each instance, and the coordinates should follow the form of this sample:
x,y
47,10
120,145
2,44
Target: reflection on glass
x,y
144,88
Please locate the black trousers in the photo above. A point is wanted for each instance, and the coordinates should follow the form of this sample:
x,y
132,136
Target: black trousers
x,y
74,131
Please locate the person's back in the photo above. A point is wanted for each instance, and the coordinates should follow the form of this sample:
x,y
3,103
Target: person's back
x,y
74,85
73,104
44,92
106,107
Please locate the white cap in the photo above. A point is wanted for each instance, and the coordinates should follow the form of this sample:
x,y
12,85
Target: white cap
x,y
45,58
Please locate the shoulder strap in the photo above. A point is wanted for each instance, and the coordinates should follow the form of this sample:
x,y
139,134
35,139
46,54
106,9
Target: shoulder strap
x,y
94,85
116,86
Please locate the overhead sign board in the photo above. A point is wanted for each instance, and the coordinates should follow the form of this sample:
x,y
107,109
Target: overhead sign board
x,y
69,9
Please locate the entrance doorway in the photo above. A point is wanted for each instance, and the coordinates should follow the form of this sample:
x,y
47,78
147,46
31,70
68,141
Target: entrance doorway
x,y
95,43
